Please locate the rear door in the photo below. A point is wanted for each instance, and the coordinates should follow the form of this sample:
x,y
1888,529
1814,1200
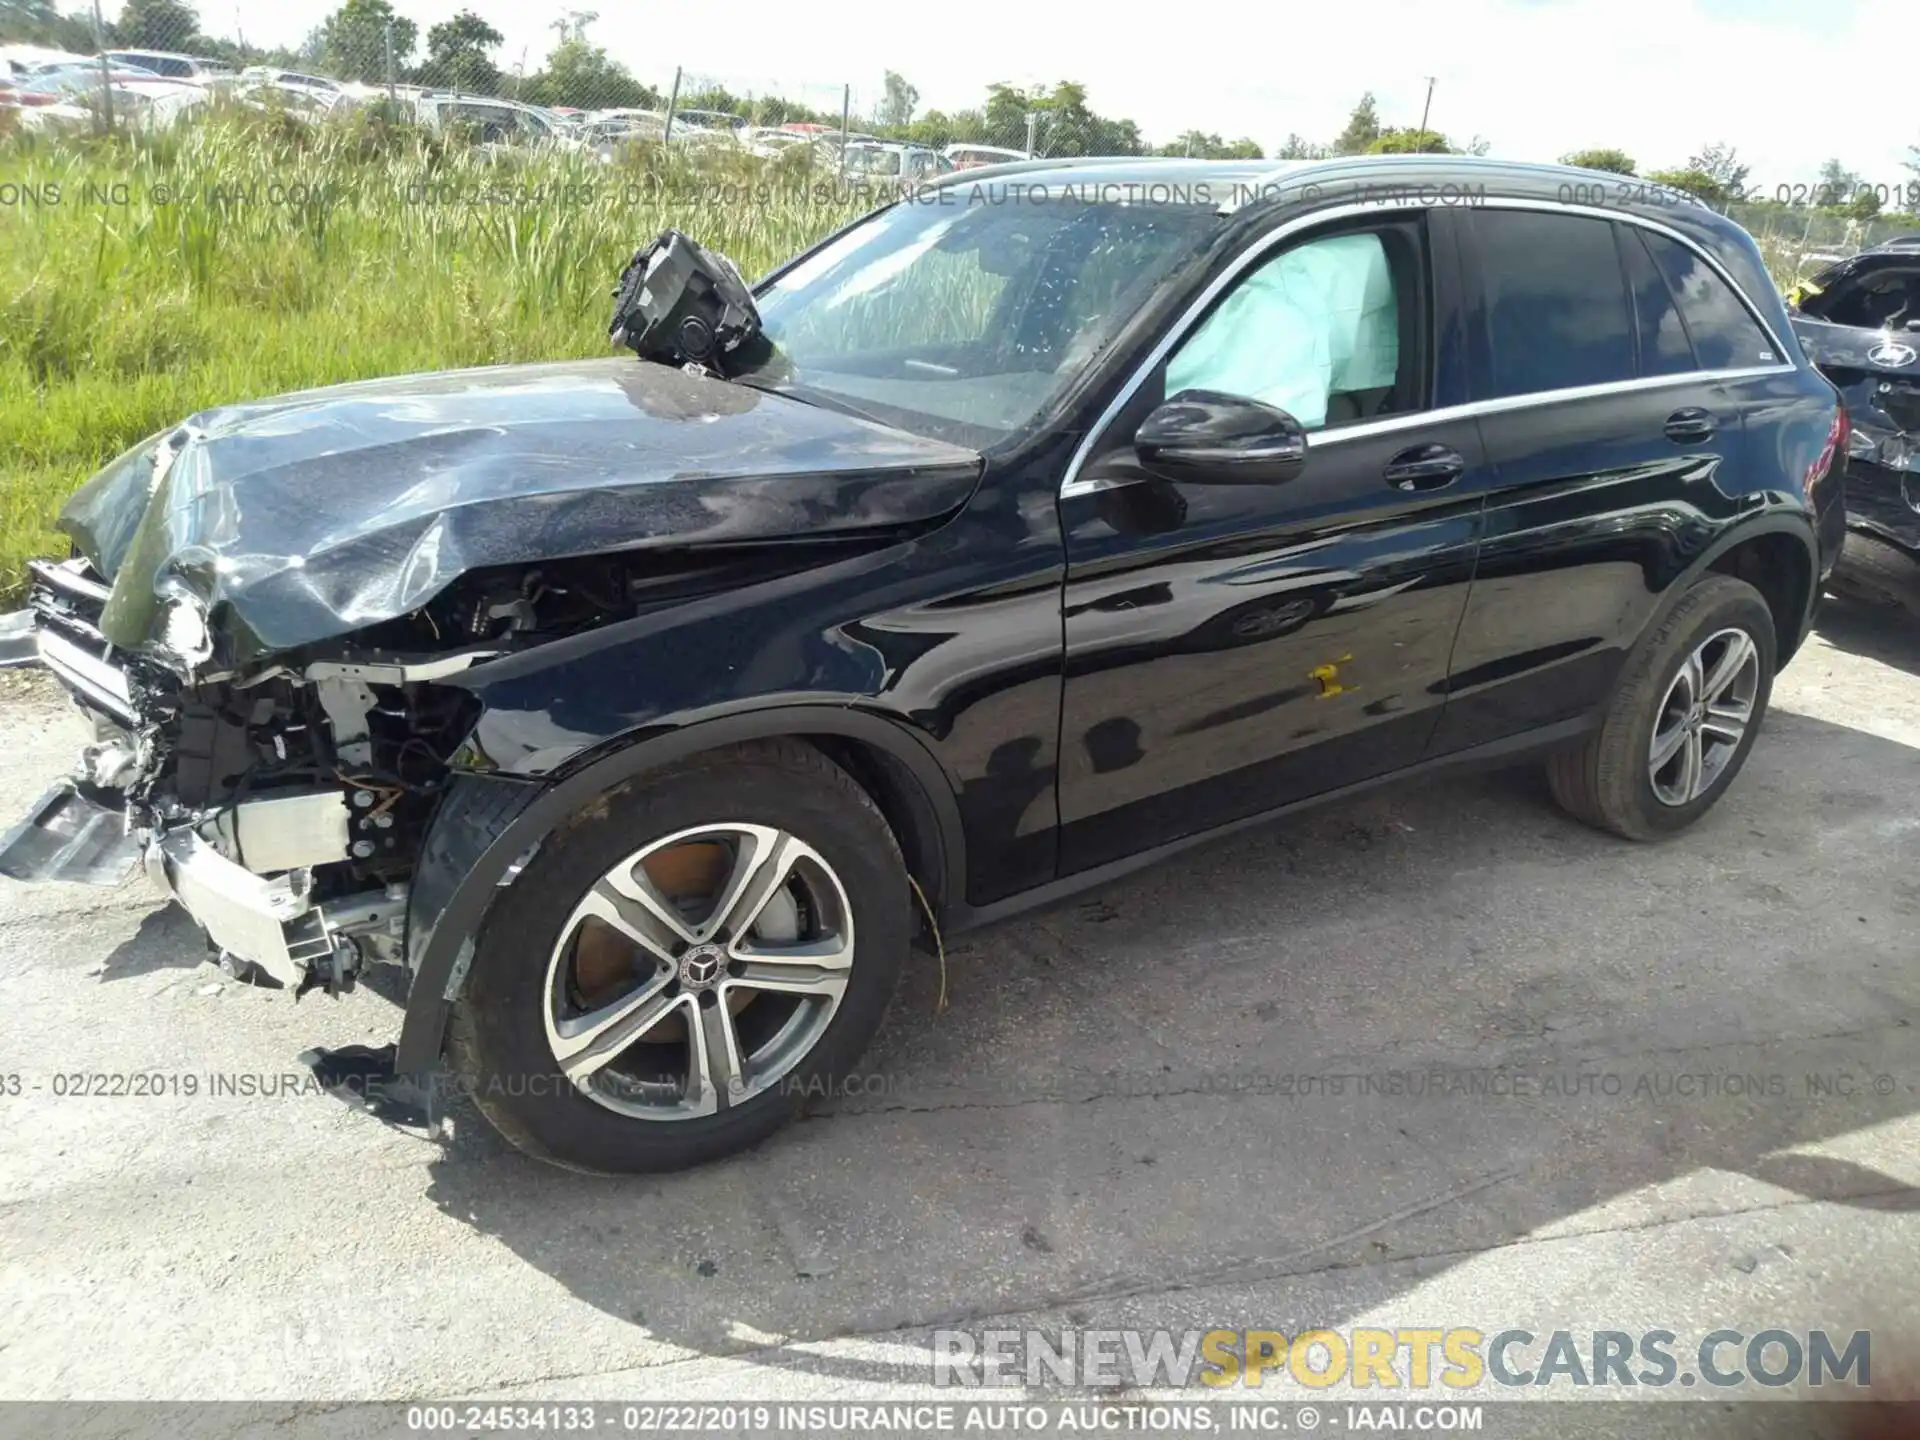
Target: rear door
x,y
1609,433
1232,648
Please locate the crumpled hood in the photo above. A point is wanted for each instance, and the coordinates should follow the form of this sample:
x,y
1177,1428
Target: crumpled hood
x,y
313,515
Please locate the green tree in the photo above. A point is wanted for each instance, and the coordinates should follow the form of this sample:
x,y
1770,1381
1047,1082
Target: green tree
x,y
155,25
1298,147
353,41
37,22
1615,162
1843,190
1363,128
581,75
1200,145
1411,140
939,129
896,110
1837,183
1064,123
1690,180
457,57
1720,163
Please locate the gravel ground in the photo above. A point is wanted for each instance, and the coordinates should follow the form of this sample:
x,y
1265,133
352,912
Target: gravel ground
x,y
1082,1138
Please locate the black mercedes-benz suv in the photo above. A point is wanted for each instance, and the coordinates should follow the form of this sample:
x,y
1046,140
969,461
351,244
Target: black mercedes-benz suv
x,y
648,710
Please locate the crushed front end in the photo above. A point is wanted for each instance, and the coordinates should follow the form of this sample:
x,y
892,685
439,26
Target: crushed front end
x,y
282,805
278,616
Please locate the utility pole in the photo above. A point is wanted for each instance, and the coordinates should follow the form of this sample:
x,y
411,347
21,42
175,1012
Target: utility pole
x,y
846,115
673,103
106,66
1426,109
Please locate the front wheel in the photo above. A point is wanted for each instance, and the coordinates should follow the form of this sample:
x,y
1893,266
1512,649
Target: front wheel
x,y
1681,723
684,962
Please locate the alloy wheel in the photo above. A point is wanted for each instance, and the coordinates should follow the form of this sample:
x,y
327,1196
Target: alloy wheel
x,y
699,971
1704,717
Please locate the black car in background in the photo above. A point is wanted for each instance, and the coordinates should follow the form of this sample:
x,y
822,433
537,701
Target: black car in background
x,y
1859,321
1065,514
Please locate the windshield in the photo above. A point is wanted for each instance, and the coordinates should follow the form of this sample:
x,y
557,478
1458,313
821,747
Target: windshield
x,y
962,314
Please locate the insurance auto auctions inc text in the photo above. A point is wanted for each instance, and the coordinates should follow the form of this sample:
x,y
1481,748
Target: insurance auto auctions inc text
x,y
1379,1361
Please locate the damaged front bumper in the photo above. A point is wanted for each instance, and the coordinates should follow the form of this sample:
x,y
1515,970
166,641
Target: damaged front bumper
x,y
80,835
89,828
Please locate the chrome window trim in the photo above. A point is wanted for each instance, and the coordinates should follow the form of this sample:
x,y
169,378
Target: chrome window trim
x,y
1072,485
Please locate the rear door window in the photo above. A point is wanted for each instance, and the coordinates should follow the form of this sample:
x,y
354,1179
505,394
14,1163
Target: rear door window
x,y
1665,347
1556,302
1725,334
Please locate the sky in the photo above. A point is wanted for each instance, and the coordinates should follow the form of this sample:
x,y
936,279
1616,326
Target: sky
x,y
1789,82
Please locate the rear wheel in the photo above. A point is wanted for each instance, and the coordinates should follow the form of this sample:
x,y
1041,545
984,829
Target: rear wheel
x,y
683,964
1682,721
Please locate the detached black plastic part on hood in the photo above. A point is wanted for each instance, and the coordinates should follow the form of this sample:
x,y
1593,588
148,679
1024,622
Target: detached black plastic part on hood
x,y
680,304
311,516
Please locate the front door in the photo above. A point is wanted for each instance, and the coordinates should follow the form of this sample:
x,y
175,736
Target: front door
x,y
1232,648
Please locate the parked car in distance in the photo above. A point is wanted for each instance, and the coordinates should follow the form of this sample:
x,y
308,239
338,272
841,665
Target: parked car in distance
x,y
490,123
718,121
272,75
17,62
623,125
1859,321
69,97
1023,542
173,66
970,157
298,102
768,141
890,161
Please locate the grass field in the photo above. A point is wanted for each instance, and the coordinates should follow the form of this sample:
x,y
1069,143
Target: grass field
x,y
143,279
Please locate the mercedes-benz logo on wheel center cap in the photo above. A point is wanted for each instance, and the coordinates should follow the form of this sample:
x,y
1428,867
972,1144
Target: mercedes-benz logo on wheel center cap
x,y
701,965
1893,353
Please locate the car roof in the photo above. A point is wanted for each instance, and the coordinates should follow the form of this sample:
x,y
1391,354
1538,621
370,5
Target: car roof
x,y
1254,189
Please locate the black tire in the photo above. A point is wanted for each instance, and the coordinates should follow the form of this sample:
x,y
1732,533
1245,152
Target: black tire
x,y
1605,781
497,1039
1870,569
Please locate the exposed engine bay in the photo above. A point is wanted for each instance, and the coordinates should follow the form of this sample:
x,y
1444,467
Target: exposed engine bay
x,y
300,790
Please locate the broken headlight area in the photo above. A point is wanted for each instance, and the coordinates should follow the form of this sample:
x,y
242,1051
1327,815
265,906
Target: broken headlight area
x,y
285,804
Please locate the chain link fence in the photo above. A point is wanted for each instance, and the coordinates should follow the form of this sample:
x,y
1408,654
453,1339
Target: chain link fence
x,y
147,63
101,65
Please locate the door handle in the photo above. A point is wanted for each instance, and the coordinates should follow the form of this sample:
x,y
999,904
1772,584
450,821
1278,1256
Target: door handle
x,y
1424,467
1691,425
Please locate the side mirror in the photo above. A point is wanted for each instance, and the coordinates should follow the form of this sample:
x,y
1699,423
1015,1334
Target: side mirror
x,y
1207,437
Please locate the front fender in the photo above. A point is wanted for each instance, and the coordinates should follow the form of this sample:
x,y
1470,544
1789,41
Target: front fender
x,y
489,825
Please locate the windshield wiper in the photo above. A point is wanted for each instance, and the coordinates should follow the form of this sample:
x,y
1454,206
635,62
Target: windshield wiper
x,y
808,395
